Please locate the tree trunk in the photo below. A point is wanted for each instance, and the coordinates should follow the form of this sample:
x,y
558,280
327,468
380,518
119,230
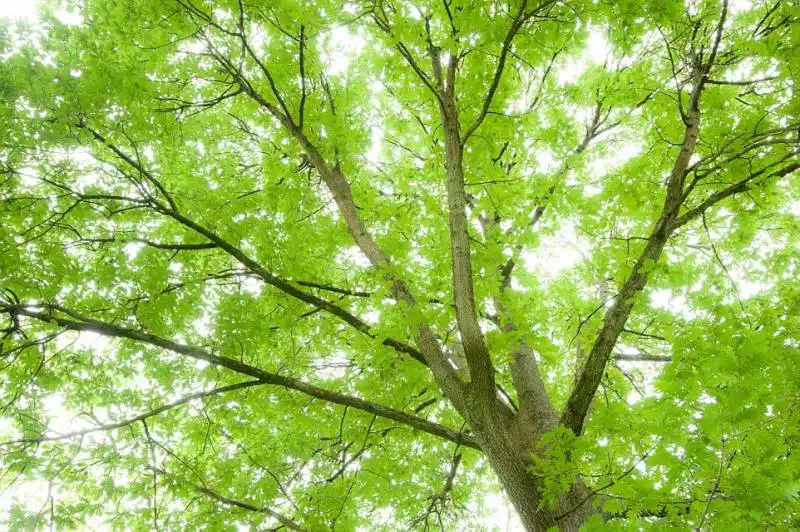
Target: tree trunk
x,y
513,468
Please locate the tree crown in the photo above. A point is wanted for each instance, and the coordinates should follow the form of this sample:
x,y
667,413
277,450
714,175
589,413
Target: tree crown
x,y
302,261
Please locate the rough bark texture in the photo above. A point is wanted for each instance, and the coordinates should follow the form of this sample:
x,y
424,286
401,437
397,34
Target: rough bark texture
x,y
511,460
579,401
478,359
507,439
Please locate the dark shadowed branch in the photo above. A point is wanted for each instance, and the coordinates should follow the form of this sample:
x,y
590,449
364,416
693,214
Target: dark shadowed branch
x,y
54,314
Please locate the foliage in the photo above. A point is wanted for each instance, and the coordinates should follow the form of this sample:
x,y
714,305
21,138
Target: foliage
x,y
227,230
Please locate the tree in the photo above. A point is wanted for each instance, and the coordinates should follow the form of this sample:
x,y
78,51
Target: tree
x,y
302,264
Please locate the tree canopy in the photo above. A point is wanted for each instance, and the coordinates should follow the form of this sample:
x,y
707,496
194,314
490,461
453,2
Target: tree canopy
x,y
360,265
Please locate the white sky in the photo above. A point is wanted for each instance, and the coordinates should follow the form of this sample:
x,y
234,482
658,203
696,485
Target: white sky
x,y
26,10
18,9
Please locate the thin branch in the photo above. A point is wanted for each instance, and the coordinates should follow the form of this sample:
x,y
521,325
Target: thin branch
x,y
439,500
157,245
285,521
740,83
330,288
519,20
155,472
644,335
725,269
606,486
382,21
641,357
303,90
141,417
713,489
134,164
741,186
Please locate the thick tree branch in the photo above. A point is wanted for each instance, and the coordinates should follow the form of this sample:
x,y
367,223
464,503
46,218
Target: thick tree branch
x,y
273,280
479,360
51,314
177,247
152,244
303,89
580,399
740,83
536,411
429,347
337,183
